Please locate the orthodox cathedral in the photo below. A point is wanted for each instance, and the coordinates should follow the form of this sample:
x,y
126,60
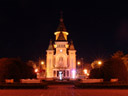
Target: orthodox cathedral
x,y
61,55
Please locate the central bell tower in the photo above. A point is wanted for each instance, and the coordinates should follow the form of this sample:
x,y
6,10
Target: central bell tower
x,y
61,55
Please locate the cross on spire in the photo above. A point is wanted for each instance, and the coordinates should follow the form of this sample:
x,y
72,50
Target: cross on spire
x,y
61,26
61,16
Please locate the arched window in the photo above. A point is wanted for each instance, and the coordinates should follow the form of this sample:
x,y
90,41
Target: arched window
x,y
67,73
60,62
57,73
54,72
64,73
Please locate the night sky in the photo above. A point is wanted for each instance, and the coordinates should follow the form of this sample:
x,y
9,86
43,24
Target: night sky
x,y
98,28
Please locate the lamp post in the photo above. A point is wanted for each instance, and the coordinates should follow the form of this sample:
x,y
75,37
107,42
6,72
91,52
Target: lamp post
x,y
78,70
86,73
41,68
42,63
37,72
99,64
82,59
80,66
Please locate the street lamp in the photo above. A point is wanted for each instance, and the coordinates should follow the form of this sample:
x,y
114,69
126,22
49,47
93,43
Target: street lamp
x,y
99,62
42,62
42,69
36,70
85,71
78,63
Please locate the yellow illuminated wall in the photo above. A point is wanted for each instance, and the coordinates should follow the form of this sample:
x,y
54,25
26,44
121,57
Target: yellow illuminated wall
x,y
64,33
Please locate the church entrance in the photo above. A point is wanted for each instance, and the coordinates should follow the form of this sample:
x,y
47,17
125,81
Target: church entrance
x,y
61,74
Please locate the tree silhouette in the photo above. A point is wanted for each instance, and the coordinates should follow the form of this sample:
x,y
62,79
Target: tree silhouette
x,y
14,68
112,68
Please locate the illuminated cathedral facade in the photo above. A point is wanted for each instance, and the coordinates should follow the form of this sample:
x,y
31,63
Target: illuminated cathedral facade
x,y
61,55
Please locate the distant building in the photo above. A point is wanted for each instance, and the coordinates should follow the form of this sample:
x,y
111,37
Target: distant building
x,y
61,55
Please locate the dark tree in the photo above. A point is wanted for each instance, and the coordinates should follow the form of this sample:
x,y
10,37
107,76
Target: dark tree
x,y
14,68
112,68
115,68
96,73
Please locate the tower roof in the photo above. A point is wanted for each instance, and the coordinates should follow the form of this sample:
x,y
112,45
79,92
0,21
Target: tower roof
x,y
71,47
61,26
50,47
61,37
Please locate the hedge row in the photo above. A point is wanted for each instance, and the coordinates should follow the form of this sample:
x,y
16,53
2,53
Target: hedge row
x,y
23,86
102,85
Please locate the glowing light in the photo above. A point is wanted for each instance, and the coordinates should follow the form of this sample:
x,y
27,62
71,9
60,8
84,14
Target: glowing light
x,y
61,50
87,74
78,63
66,33
36,70
42,62
59,32
99,62
85,71
60,75
56,33
67,46
73,74
55,45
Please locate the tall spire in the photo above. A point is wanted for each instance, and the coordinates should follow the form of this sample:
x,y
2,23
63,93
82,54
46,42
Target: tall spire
x,y
50,47
71,47
61,16
61,26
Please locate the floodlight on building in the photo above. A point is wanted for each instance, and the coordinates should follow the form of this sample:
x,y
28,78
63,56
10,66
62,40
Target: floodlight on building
x,y
61,50
73,74
60,75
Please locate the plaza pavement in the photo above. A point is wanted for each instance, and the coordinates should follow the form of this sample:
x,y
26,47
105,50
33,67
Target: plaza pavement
x,y
63,90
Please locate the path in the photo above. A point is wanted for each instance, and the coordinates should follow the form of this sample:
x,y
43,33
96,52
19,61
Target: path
x,y
63,90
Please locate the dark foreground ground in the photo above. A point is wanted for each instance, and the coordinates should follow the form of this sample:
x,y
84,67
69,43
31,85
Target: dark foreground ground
x,y
63,90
